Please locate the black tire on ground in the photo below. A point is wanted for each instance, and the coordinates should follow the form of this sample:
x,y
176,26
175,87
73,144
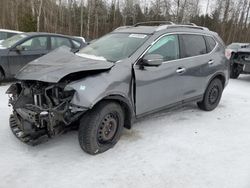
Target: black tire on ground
x,y
101,128
212,95
1,75
234,72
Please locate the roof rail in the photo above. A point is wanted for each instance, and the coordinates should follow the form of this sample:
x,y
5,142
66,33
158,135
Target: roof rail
x,y
123,27
154,23
191,26
164,25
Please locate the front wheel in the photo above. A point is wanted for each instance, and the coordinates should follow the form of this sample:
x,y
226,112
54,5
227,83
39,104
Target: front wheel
x,y
101,128
212,95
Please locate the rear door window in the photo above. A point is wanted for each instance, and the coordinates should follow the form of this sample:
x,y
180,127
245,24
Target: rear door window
x,y
192,45
57,42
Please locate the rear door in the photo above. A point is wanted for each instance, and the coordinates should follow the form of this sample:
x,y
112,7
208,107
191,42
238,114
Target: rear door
x,y
32,49
158,87
197,63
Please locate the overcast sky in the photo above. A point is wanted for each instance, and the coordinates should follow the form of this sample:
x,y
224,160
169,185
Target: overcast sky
x,y
203,4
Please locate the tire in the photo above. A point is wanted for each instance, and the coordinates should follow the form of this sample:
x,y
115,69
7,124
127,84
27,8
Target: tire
x,y
101,128
212,96
234,72
1,76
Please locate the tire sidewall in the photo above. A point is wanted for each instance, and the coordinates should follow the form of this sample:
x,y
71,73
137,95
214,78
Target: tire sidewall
x,y
233,72
215,82
1,76
99,112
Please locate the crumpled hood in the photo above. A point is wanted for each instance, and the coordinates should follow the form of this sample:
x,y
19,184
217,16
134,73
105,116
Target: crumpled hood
x,y
58,64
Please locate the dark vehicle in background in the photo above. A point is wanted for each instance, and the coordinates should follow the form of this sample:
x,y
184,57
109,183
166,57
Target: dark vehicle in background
x,y
5,33
129,73
17,51
239,55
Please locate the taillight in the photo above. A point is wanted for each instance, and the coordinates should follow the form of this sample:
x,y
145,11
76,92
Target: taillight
x,y
228,53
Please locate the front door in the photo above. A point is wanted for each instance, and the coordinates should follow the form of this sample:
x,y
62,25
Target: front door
x,y
158,87
28,51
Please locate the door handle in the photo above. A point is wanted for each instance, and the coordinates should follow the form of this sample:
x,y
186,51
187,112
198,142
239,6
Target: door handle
x,y
211,62
180,70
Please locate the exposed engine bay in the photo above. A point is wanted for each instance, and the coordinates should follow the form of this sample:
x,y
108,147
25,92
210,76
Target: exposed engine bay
x,y
41,110
242,59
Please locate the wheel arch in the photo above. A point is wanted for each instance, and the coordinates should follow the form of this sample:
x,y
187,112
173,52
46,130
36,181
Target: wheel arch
x,y
220,76
126,105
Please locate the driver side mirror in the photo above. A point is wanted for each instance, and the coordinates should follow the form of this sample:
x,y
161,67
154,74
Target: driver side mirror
x,y
19,48
153,60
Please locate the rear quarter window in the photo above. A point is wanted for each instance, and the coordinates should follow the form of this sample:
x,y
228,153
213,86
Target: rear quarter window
x,y
192,45
211,43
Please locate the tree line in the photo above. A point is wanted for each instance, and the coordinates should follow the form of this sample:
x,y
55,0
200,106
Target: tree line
x,y
94,18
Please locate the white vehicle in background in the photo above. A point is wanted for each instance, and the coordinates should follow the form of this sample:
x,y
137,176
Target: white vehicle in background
x,y
5,33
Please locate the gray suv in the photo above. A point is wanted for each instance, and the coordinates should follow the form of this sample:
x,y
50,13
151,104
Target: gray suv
x,y
127,74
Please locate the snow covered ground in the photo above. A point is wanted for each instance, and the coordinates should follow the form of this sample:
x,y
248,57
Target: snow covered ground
x,y
185,148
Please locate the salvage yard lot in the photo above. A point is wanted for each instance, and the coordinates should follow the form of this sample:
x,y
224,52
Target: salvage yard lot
x,y
184,148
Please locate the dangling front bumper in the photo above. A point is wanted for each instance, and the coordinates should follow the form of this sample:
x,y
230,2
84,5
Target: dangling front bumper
x,y
28,138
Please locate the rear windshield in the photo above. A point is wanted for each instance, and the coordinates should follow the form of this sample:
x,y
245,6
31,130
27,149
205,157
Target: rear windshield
x,y
114,46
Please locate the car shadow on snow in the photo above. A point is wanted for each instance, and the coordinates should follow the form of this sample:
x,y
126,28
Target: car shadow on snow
x,y
68,142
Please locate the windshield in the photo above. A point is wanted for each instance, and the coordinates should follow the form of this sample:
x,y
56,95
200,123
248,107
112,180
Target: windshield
x,y
12,40
114,47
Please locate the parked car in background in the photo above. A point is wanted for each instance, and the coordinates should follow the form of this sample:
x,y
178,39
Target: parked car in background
x,y
5,33
17,51
239,55
106,86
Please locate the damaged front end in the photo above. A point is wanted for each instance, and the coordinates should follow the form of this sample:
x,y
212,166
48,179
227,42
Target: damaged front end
x,y
41,110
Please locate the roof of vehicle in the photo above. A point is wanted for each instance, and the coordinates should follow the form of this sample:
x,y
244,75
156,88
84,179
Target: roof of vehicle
x,y
238,44
45,33
146,28
10,31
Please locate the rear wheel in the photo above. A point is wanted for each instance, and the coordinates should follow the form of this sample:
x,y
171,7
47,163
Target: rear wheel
x,y
101,128
234,71
1,76
212,95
